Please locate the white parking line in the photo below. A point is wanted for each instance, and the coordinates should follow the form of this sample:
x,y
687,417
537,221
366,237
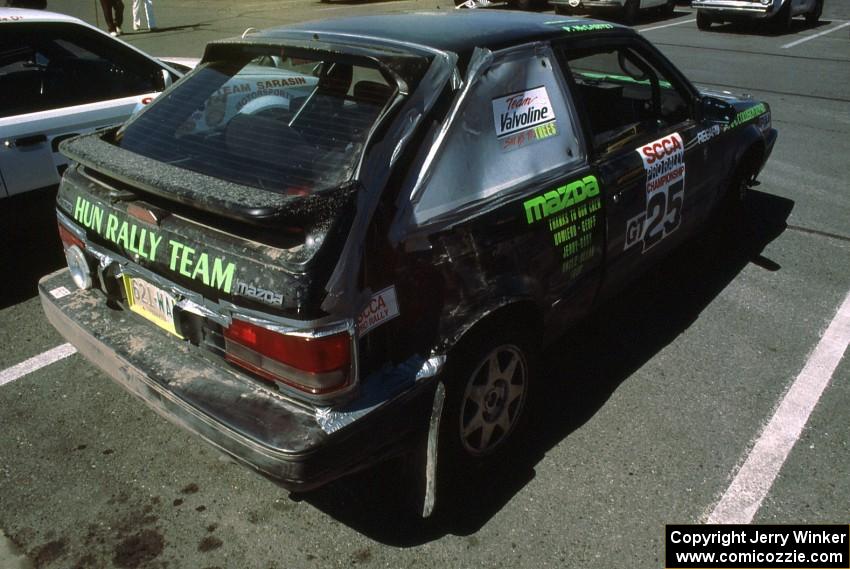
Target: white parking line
x,y
667,25
744,496
36,362
807,38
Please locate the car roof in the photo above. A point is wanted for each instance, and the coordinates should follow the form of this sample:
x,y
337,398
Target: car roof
x,y
458,31
19,15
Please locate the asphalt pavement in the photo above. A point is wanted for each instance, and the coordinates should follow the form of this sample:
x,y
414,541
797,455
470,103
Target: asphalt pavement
x,y
653,406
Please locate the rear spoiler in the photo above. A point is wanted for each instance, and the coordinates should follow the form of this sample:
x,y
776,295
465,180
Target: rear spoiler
x,y
200,191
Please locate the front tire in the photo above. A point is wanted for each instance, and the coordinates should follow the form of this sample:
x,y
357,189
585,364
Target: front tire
x,y
813,17
703,20
631,11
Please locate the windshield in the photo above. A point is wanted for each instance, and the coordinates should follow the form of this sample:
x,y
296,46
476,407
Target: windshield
x,y
291,125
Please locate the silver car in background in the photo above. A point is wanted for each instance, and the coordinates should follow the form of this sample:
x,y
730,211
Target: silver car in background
x,y
779,12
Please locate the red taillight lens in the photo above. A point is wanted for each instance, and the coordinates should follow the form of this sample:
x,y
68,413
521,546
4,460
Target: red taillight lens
x,y
315,365
68,238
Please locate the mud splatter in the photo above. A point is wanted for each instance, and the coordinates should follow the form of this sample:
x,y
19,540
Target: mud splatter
x,y
177,501
138,549
190,489
108,451
212,527
209,543
81,447
363,555
87,562
200,508
49,552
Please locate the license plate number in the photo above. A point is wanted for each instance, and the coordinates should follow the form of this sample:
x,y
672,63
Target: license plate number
x,y
151,302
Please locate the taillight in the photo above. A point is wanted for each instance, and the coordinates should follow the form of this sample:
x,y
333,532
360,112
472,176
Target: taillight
x,y
78,265
317,365
68,238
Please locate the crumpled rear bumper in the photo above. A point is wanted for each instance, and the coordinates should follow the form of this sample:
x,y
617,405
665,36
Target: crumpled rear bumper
x,y
248,421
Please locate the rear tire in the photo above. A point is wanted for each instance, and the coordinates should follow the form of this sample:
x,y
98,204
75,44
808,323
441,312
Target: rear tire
x,y
487,384
703,20
669,8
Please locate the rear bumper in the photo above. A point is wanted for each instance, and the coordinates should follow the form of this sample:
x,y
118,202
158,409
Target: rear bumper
x,y
290,442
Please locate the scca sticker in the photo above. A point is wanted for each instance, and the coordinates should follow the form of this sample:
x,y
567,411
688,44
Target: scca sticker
x,y
382,308
521,111
664,163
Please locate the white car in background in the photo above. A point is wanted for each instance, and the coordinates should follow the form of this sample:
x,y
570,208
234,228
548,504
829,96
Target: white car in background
x,y
779,12
628,10
60,77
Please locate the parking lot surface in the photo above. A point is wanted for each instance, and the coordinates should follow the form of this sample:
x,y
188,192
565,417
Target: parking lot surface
x,y
653,405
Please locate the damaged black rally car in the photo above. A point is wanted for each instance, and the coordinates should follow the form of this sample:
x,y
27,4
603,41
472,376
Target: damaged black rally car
x,y
341,241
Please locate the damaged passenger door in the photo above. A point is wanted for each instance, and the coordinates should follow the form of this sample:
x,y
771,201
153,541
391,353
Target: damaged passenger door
x,y
510,203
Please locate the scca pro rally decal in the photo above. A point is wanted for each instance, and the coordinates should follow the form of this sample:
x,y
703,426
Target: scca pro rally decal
x,y
382,308
664,162
522,111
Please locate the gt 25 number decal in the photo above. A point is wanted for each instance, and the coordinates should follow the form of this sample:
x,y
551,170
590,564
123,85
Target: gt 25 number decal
x,y
664,164
664,214
662,217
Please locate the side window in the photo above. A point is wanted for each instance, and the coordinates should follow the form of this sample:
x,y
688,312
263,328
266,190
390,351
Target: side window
x,y
624,95
514,125
59,65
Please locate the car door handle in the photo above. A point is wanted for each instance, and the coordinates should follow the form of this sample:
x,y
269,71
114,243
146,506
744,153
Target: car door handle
x,y
25,141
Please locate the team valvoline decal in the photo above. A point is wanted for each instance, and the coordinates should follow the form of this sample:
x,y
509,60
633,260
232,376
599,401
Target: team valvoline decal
x,y
664,163
521,111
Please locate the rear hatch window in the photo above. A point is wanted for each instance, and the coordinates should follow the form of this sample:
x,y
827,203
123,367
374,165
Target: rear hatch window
x,y
285,122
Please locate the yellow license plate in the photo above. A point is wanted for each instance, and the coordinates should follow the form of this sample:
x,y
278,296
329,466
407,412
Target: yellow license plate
x,y
151,302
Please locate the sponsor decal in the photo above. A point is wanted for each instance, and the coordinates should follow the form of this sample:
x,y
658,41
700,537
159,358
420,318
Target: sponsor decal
x,y
59,292
526,137
260,294
572,213
748,115
144,243
553,201
664,163
382,308
587,27
522,111
704,136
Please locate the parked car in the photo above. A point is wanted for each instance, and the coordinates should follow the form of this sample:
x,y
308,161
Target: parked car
x,y
370,270
627,10
779,12
60,77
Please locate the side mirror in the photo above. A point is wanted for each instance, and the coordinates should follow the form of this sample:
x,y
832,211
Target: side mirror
x,y
717,110
167,79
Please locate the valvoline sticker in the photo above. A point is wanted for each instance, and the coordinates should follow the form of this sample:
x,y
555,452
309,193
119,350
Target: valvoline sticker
x,y
382,308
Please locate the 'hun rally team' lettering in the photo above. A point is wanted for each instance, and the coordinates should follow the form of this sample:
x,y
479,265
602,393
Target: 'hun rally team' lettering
x,y
198,265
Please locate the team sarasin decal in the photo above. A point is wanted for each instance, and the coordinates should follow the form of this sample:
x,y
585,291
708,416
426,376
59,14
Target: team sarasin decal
x,y
572,214
145,243
664,162
382,308
522,111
